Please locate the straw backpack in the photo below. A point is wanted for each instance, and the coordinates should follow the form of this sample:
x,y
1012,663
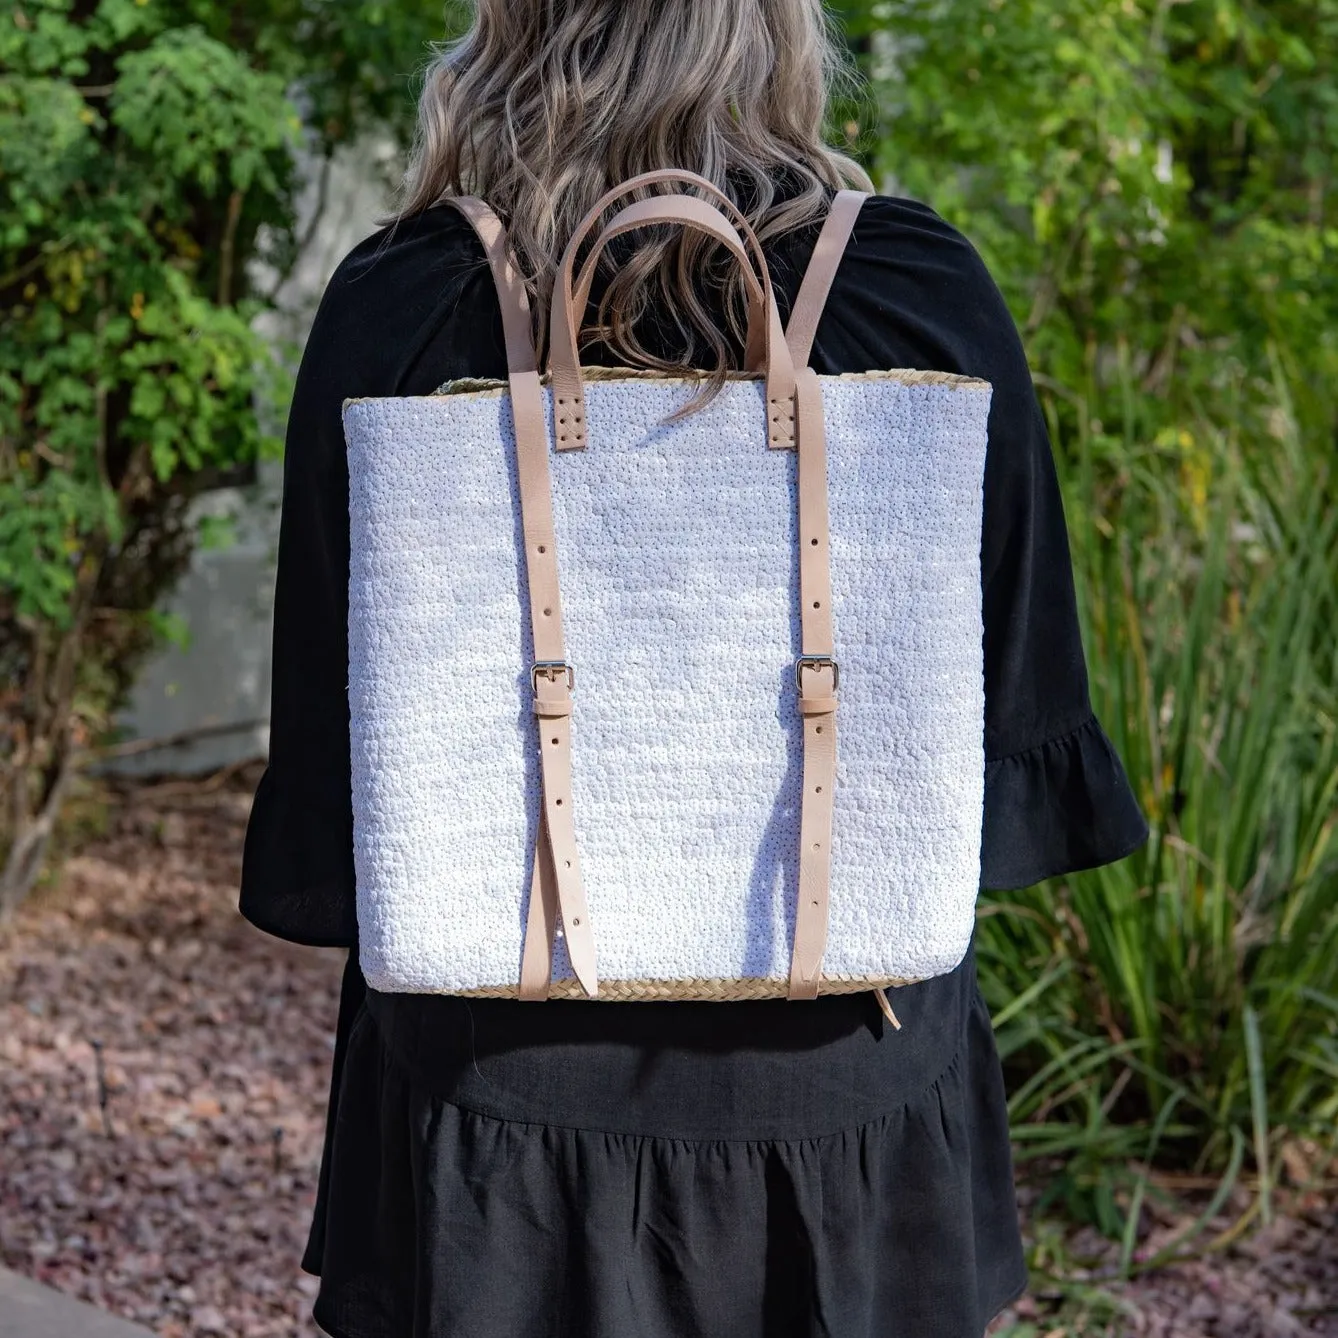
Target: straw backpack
x,y
647,706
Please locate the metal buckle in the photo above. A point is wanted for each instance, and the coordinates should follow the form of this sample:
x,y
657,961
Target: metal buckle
x,y
816,662
550,669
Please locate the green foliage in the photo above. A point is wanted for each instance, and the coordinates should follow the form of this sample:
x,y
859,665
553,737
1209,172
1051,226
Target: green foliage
x,y
1150,181
147,155
142,147
1147,178
113,361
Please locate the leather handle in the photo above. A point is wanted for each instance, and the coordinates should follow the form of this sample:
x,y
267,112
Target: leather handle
x,y
690,212
512,296
756,351
663,176
769,355
660,176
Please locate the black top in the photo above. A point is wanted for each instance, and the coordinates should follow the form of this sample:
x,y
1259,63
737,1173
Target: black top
x,y
409,309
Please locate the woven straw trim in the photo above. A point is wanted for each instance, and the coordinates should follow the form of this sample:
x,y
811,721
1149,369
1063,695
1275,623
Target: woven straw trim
x,y
702,989
485,387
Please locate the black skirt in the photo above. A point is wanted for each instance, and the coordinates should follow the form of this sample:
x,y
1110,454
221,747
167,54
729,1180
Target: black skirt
x,y
580,1169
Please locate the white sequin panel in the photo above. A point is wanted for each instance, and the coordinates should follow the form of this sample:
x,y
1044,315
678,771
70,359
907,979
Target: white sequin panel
x,y
678,558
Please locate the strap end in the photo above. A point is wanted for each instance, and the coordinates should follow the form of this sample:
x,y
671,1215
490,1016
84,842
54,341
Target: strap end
x,y
886,1007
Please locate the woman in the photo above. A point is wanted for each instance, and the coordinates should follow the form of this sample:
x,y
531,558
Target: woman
x,y
584,1169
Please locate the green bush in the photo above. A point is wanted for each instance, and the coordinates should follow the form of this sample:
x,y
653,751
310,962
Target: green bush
x,y
1150,181
146,150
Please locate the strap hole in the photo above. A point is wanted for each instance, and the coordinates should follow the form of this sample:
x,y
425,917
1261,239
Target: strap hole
x,y
814,542
548,613
819,730
558,802
817,604
815,903
817,789
543,548
816,846
575,922
569,866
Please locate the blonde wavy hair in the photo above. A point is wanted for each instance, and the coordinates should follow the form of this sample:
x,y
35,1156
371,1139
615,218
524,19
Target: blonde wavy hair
x,y
543,105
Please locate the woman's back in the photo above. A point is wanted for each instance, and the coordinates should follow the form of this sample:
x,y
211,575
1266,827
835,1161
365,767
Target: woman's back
x,y
742,1119
666,1169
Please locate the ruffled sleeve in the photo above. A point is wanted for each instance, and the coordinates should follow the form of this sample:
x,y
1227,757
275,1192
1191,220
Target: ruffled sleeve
x,y
1061,806
1056,795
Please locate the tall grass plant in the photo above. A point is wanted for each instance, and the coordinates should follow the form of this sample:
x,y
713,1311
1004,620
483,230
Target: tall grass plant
x,y
1182,1006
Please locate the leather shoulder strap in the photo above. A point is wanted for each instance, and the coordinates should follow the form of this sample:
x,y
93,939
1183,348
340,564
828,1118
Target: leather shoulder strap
x,y
556,886
817,674
822,267
512,296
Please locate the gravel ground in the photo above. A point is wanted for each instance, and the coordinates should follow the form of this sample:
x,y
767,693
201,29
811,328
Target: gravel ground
x,y
184,1205
163,1072
1280,1281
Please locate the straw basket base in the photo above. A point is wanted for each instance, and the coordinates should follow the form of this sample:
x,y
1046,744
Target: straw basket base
x,y
704,989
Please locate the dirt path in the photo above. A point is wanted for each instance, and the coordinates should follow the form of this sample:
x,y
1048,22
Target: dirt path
x,y
182,1201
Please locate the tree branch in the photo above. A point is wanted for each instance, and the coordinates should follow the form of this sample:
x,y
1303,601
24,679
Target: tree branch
x,y
136,747
227,249
301,243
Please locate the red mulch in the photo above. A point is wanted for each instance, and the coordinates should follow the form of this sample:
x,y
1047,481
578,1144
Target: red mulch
x,y
183,1204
